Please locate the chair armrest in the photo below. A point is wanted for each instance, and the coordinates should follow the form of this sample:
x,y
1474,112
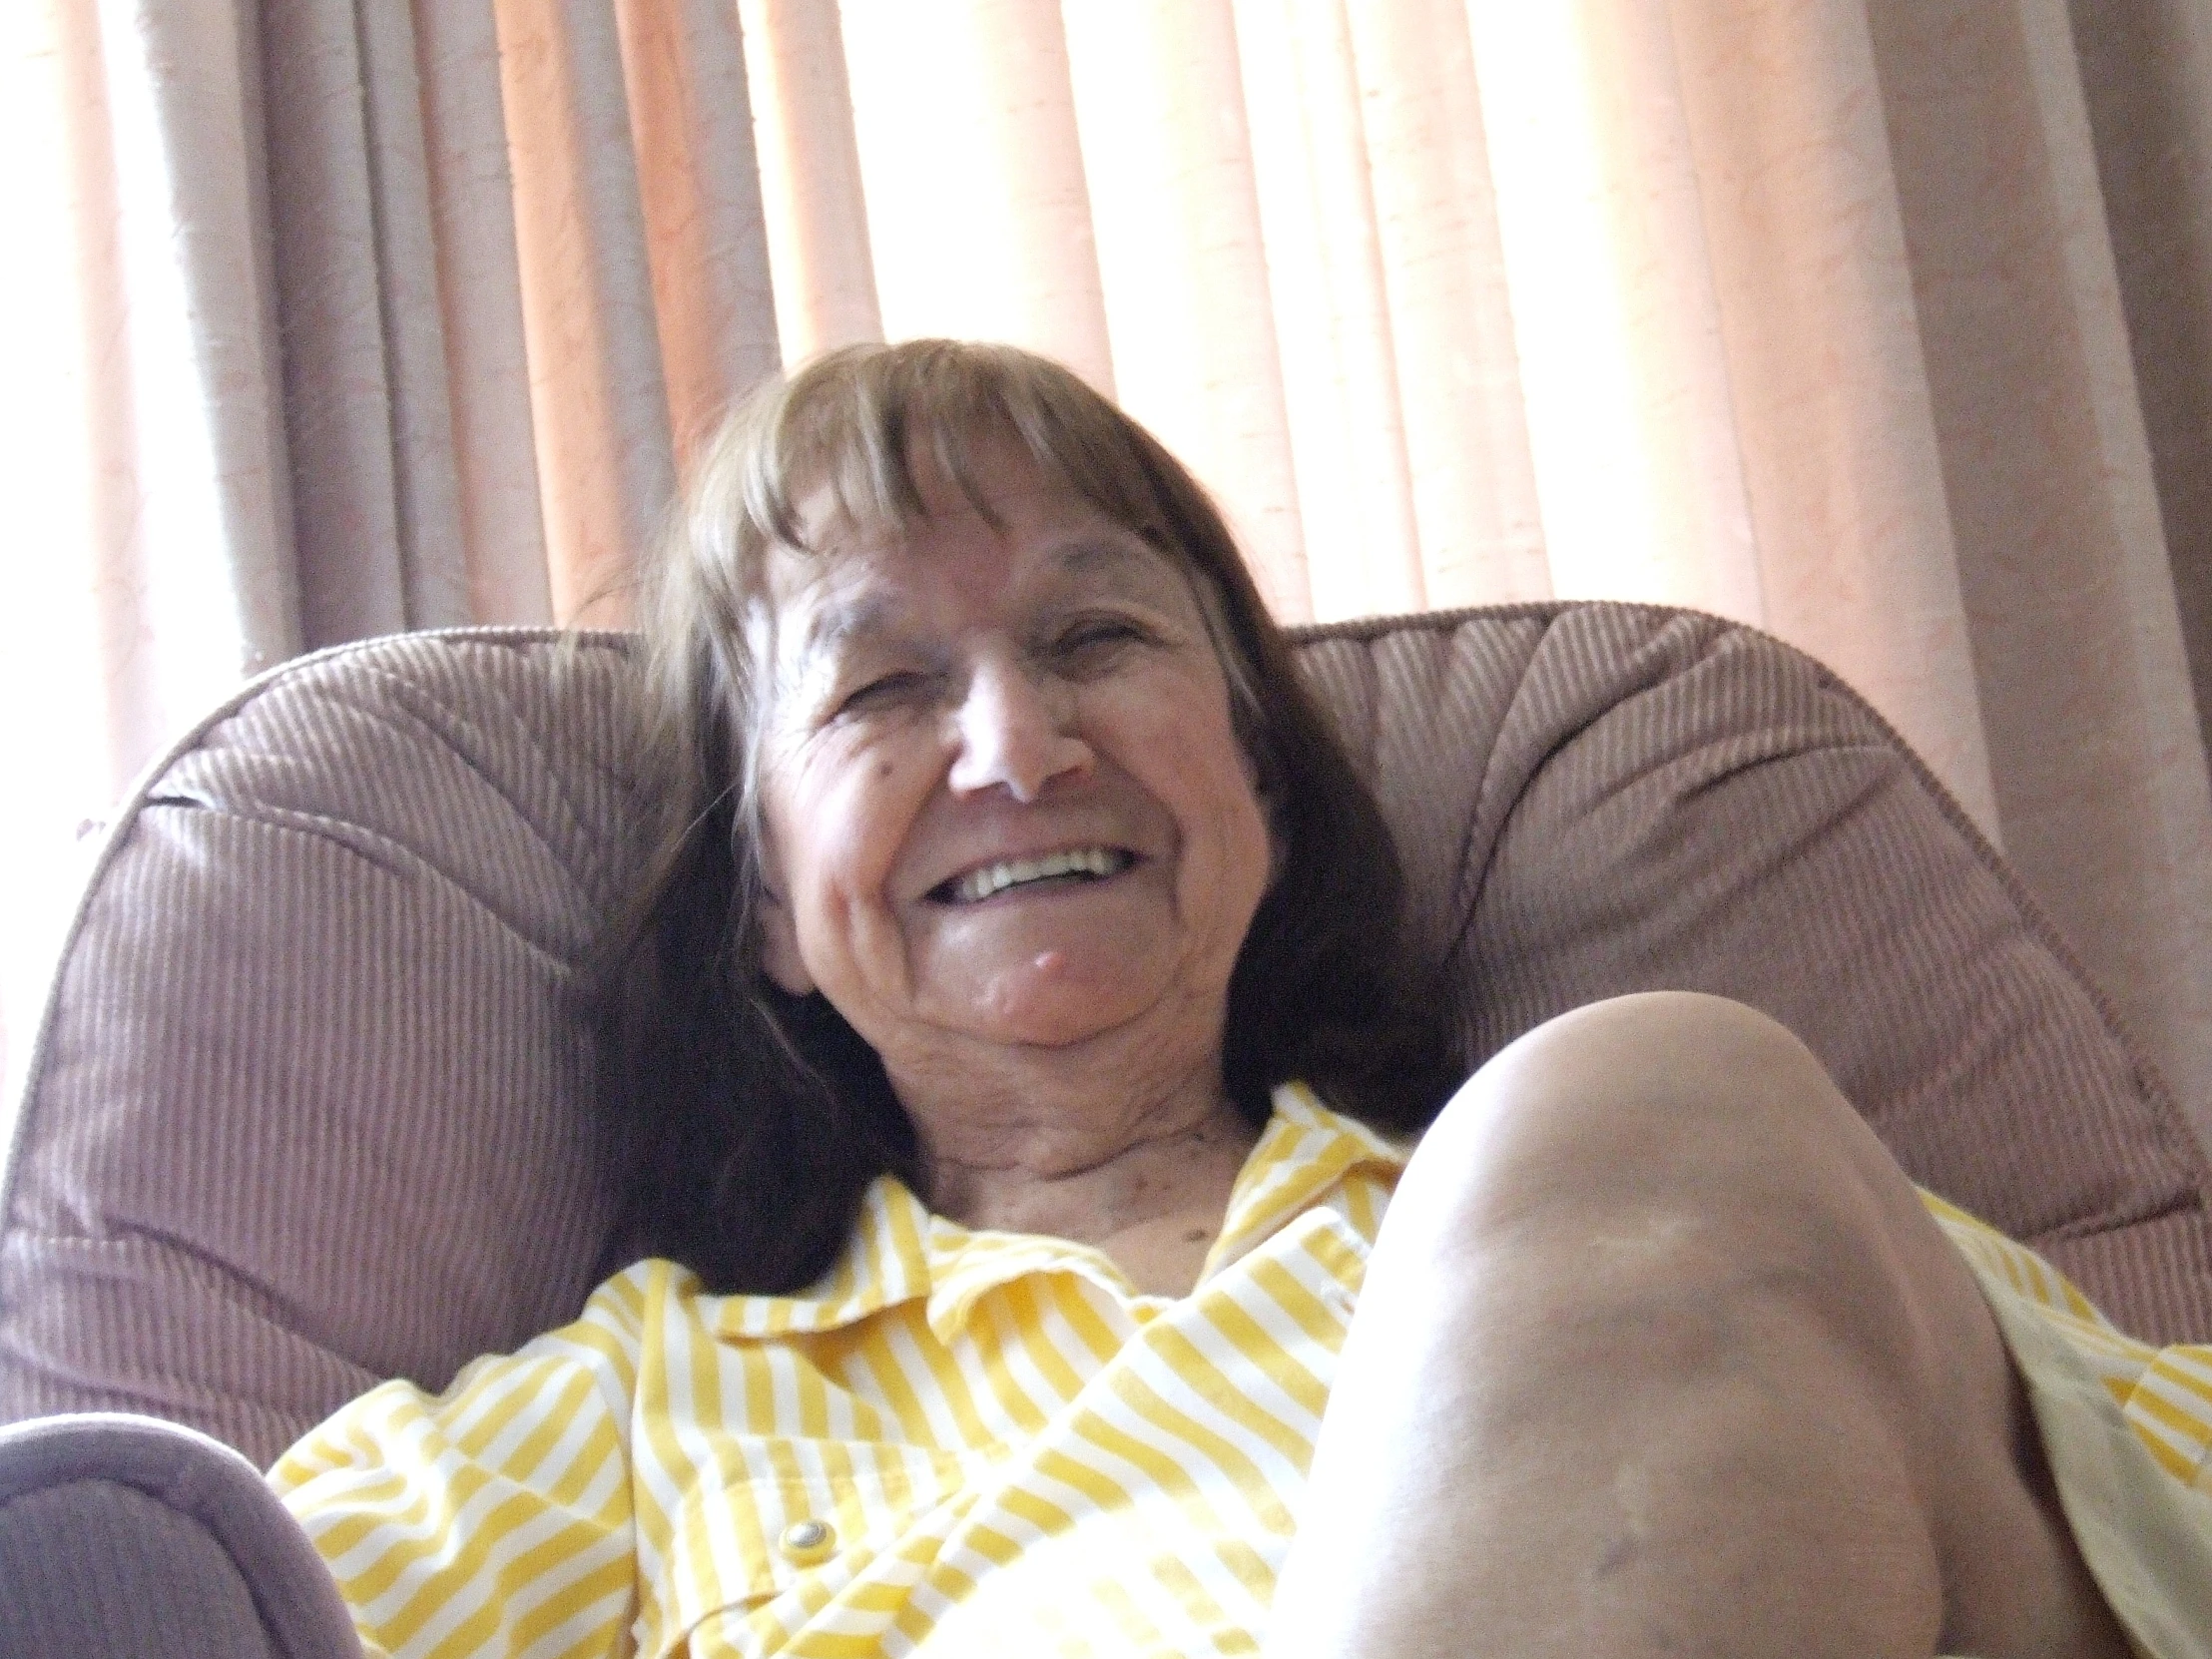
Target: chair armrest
x,y
125,1537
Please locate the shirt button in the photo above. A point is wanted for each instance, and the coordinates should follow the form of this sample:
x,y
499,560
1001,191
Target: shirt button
x,y
806,1542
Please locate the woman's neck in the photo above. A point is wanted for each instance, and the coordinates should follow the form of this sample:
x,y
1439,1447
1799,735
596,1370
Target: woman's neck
x,y
1145,1180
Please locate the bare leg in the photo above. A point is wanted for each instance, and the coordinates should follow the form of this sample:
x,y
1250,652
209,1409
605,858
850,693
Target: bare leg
x,y
1659,1353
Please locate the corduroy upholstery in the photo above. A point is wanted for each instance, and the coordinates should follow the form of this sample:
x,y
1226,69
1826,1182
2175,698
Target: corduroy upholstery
x,y
311,1103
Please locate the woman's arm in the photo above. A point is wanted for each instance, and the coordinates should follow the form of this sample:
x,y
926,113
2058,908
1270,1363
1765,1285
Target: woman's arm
x,y
495,1518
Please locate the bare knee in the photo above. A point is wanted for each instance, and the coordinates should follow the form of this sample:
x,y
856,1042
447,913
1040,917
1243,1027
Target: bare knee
x,y
1665,1198
1682,1145
1639,1273
1689,1101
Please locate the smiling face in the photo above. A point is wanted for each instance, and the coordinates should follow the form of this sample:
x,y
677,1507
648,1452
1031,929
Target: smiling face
x,y
1004,805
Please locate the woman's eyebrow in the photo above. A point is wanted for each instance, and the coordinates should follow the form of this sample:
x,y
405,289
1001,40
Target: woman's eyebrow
x,y
1126,563
835,627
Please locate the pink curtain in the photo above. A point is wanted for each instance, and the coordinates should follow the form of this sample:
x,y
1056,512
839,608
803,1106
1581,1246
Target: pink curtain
x,y
1885,325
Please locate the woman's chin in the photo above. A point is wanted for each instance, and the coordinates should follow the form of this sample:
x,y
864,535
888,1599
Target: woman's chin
x,y
1052,1001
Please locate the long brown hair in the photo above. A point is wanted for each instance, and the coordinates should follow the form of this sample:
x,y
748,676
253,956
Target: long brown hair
x,y
754,1120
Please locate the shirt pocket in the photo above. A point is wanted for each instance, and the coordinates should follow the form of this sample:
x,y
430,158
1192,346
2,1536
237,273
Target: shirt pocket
x,y
758,1561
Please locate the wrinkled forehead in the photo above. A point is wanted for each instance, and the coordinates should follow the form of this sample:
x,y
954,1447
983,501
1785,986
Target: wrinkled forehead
x,y
1028,538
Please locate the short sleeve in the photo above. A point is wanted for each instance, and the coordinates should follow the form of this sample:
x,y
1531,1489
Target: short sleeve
x,y
495,1518
2126,1428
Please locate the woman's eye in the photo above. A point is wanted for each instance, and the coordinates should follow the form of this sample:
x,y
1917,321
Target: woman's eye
x,y
1100,636
885,692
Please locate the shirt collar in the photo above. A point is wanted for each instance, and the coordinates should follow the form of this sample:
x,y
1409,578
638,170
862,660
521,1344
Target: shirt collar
x,y
899,1251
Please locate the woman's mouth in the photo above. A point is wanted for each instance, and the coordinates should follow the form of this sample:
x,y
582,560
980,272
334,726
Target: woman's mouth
x,y
1077,864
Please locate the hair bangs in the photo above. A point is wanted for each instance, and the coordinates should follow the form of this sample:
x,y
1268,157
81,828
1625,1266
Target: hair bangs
x,y
870,429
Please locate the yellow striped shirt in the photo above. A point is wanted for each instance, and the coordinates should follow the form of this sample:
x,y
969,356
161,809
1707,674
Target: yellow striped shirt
x,y
958,1442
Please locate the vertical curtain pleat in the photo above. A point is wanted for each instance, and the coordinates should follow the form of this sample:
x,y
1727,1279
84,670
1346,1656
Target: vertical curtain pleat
x,y
598,397
978,210
1332,316
1451,317
1167,152
427,494
1630,417
1685,419
2100,772
691,125
480,306
80,452
425,478
2146,70
342,252
208,555
810,169
1842,471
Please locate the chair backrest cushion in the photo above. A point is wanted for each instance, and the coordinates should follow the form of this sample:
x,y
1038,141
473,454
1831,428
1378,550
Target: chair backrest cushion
x,y
313,1102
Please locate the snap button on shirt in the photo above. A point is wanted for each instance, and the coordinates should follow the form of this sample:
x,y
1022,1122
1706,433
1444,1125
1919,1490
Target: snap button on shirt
x,y
807,1542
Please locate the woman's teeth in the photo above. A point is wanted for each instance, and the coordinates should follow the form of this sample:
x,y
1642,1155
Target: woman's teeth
x,y
1094,862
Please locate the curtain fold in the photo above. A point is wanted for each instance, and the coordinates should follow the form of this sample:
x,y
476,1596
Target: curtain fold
x,y
351,317
1450,301
1630,412
690,127
1166,143
2147,72
1886,324
1332,318
2062,562
817,218
598,393
207,550
1856,559
479,303
375,521
979,213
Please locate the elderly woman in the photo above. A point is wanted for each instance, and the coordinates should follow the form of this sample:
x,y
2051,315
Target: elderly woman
x,y
1021,1060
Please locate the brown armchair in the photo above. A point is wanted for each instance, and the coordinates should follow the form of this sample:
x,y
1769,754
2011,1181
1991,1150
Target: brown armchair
x,y
311,1103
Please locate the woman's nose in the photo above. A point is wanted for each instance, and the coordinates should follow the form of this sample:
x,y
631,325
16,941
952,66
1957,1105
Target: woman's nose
x,y
1017,732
